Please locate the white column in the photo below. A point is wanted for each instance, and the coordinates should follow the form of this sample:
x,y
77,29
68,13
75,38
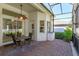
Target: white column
x,y
23,24
51,34
51,26
1,26
25,27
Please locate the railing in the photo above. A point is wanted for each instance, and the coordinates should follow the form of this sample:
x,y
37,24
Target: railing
x,y
75,40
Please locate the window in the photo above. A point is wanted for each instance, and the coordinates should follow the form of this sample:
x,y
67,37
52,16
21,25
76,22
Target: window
x,y
17,24
32,26
41,26
48,26
7,23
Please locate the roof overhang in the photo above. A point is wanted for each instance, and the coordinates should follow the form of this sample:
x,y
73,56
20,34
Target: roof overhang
x,y
42,8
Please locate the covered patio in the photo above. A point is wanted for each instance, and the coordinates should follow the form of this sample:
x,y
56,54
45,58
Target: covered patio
x,y
39,22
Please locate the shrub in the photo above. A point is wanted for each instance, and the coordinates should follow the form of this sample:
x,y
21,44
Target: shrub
x,y
59,35
12,33
7,33
68,34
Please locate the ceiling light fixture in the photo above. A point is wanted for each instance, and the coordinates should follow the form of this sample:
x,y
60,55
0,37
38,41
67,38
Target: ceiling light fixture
x,y
22,17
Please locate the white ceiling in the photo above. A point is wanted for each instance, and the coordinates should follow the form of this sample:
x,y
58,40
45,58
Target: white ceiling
x,y
26,6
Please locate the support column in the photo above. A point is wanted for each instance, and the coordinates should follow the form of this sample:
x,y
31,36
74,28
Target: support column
x,y
74,22
25,27
51,34
1,26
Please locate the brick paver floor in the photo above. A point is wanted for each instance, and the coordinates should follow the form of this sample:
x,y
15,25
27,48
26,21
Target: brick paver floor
x,y
44,48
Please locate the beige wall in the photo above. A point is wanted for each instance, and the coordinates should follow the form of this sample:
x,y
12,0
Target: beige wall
x,y
1,35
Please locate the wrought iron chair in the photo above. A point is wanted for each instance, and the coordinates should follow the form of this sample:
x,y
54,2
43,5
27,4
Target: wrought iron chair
x,y
15,40
29,39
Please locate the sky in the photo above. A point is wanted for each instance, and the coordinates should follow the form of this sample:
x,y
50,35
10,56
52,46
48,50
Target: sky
x,y
66,7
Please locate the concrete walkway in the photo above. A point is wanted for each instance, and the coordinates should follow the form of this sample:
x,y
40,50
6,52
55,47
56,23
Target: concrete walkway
x,y
45,48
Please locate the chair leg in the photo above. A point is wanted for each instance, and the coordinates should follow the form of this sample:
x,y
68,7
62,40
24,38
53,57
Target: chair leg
x,y
18,43
25,42
22,43
29,41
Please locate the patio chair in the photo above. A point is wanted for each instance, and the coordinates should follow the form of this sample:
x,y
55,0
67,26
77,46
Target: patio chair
x,y
19,34
15,40
29,39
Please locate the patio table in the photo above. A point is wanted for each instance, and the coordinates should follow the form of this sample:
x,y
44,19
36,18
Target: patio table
x,y
22,38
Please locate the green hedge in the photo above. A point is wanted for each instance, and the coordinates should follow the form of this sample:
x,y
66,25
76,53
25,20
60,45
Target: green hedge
x,y
9,33
59,35
66,35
